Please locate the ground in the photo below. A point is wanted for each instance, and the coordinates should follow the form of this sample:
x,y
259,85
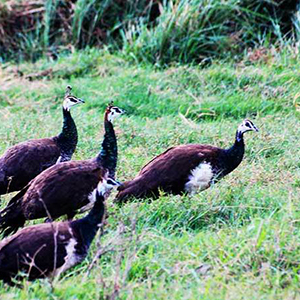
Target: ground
x,y
237,240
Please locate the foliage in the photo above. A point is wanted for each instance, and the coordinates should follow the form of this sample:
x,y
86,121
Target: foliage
x,y
240,235
154,31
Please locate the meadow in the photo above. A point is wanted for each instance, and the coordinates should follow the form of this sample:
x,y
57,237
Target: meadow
x,y
237,240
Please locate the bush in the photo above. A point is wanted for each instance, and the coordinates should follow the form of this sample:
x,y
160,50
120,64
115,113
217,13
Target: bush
x,y
196,30
146,30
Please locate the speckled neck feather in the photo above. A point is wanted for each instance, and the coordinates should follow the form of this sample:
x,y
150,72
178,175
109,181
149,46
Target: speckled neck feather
x,y
234,154
68,137
89,225
108,154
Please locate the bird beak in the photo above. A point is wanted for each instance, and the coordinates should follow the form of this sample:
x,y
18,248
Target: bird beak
x,y
118,183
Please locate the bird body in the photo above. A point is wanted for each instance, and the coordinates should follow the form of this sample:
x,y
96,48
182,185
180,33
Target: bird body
x,y
72,181
63,188
51,248
24,161
35,246
185,168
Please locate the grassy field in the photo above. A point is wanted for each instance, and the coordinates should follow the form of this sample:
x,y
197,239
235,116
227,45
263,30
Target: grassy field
x,y
237,240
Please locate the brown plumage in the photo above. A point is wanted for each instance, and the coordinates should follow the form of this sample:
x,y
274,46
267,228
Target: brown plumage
x,y
64,188
24,161
32,249
52,248
185,168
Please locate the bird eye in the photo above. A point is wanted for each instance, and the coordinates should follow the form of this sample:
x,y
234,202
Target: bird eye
x,y
110,181
247,124
72,99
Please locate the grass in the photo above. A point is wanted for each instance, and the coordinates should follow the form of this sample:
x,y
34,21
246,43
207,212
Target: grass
x,y
237,240
159,32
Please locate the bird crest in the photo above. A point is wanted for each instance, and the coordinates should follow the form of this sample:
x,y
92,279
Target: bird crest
x,y
70,100
68,91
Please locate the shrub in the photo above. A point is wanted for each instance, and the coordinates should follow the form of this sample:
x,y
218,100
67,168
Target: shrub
x,y
157,31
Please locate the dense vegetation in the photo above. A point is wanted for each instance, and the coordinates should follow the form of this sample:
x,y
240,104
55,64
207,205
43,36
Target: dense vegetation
x,y
237,240
185,71
155,31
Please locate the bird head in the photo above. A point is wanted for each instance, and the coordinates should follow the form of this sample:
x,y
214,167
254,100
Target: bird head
x,y
70,100
113,112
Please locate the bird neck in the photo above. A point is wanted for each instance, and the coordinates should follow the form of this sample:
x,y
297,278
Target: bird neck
x,y
235,153
68,137
108,154
89,225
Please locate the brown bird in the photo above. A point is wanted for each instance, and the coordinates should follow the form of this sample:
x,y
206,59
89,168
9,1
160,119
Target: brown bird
x,y
52,248
23,162
64,188
186,168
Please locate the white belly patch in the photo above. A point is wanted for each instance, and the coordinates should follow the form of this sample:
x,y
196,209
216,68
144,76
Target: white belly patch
x,y
92,200
199,179
71,258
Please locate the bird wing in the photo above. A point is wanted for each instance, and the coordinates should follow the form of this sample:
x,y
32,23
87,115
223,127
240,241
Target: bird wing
x,y
169,170
179,161
63,188
26,160
33,249
156,158
30,155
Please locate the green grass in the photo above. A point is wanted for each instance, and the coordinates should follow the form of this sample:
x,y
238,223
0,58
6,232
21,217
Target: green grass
x,y
160,32
237,240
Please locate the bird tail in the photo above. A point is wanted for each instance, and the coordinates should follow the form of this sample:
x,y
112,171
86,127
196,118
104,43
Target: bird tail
x,y
11,217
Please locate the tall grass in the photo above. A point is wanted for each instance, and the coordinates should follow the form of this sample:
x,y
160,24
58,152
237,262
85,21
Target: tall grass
x,y
56,25
195,30
156,31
